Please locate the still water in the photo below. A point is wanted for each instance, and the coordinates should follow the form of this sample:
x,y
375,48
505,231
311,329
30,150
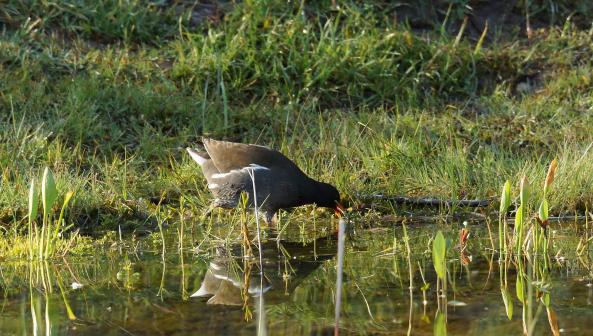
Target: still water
x,y
129,288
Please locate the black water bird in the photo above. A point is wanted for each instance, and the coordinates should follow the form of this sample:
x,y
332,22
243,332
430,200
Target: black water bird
x,y
232,168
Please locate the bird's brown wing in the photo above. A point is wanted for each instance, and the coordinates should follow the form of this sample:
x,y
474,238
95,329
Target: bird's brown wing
x,y
228,156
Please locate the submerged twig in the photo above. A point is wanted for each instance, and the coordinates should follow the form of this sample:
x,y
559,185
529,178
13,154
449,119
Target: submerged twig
x,y
556,218
366,302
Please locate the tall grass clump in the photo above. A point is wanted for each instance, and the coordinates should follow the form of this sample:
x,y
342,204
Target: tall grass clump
x,y
109,20
352,95
333,59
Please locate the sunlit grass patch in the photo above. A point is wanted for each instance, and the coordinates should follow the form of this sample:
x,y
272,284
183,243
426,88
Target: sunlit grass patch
x,y
355,98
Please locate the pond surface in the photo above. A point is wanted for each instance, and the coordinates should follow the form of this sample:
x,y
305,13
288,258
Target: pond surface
x,y
128,288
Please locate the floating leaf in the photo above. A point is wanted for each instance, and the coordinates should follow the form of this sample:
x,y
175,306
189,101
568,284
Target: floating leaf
x,y
508,302
505,198
440,325
33,201
49,193
438,254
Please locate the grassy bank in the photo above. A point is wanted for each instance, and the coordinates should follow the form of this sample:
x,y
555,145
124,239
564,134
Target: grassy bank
x,y
108,96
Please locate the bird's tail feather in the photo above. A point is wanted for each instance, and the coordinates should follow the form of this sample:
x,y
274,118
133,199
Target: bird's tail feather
x,y
197,157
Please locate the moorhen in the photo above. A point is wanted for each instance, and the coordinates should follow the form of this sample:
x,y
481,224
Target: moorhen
x,y
279,183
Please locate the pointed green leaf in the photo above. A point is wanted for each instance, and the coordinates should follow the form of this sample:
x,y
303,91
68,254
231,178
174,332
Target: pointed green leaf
x,y
543,210
519,219
49,193
59,224
524,190
64,205
33,201
546,299
505,198
508,302
519,288
438,254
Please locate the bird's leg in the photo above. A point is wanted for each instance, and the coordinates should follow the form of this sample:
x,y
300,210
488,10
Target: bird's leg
x,y
271,218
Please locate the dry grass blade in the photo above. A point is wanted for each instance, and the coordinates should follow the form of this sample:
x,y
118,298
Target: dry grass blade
x,y
551,173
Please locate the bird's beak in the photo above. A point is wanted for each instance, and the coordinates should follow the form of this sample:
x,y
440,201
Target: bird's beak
x,y
339,210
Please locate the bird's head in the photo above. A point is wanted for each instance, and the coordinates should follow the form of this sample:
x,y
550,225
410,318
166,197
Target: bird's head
x,y
327,196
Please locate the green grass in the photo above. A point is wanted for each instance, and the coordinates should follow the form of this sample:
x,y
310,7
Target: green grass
x,y
108,95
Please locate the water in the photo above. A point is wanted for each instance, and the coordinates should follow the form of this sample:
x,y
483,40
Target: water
x,y
132,290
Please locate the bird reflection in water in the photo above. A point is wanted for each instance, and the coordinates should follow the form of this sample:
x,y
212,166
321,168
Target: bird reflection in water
x,y
234,280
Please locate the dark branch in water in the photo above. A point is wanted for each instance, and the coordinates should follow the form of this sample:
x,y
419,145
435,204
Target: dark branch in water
x,y
565,218
428,201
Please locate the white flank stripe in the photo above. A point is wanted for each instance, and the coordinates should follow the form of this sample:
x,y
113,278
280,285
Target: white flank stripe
x,y
223,175
256,167
212,185
251,167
